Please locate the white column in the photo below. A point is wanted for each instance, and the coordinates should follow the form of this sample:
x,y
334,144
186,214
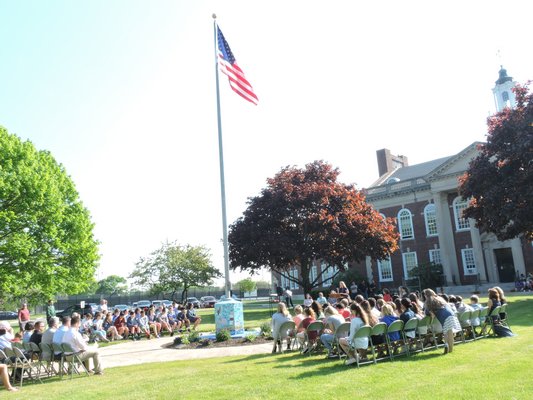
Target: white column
x,y
446,233
478,250
368,262
518,256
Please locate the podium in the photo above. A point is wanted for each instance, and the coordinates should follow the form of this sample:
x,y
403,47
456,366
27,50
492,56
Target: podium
x,y
229,315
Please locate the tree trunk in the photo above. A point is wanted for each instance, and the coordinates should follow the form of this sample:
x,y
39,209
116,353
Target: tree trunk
x,y
184,294
304,280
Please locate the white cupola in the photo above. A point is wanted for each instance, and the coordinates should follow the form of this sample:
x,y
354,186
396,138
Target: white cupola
x,y
503,95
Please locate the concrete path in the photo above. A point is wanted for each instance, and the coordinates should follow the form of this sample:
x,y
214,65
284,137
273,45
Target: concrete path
x,y
145,351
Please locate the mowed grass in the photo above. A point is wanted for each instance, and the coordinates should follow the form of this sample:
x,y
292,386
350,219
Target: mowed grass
x,y
492,368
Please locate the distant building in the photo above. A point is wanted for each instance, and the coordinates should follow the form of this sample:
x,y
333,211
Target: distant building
x,y
425,202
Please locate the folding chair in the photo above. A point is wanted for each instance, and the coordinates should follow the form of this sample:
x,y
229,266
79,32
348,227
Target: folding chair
x,y
47,356
409,328
491,318
503,315
59,353
378,330
287,331
394,345
5,359
424,332
464,320
26,365
313,345
342,331
362,332
73,360
474,317
483,314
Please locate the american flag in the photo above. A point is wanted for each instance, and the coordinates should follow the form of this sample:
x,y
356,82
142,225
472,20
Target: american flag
x,y
228,66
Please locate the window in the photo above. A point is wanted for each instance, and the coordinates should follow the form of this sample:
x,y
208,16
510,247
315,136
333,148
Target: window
x,y
505,97
327,274
405,224
293,272
286,282
459,205
434,256
312,273
385,270
469,261
430,217
409,262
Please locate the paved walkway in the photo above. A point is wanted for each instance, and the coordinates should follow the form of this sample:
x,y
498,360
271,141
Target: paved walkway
x,y
145,351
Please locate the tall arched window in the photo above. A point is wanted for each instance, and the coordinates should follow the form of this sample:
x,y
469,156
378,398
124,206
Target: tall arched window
x,y
459,205
430,217
405,224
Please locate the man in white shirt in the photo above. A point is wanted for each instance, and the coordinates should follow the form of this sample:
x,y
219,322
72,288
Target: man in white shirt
x,y
75,340
60,332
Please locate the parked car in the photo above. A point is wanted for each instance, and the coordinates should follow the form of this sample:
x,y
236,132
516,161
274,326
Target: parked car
x,y
5,315
75,308
143,304
207,301
234,297
195,302
121,307
164,303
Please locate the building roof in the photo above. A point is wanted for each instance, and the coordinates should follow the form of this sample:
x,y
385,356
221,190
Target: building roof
x,y
503,77
419,177
411,171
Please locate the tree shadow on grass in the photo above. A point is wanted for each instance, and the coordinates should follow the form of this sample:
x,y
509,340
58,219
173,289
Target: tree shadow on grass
x,y
252,357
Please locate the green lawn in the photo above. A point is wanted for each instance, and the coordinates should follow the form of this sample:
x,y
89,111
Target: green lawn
x,y
486,369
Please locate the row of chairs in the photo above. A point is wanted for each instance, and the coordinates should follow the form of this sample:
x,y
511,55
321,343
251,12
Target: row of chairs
x,y
416,335
36,361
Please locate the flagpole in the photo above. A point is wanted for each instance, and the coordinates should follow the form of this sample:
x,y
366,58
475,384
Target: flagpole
x,y
227,283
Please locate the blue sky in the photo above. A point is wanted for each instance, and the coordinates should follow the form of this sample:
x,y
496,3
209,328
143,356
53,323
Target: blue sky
x,y
122,93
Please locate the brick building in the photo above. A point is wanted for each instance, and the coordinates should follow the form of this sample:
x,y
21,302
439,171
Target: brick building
x,y
424,200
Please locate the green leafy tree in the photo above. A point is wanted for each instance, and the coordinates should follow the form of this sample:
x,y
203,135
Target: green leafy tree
x,y
174,268
246,285
430,275
304,215
46,234
499,181
113,284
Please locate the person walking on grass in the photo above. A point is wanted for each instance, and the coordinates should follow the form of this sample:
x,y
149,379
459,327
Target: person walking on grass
x,y
436,306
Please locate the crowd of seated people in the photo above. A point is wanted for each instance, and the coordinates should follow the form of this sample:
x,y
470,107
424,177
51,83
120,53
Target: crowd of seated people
x,y
387,308
80,331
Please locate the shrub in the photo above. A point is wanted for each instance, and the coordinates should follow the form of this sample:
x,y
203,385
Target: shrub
x,y
194,336
249,337
223,335
266,330
185,339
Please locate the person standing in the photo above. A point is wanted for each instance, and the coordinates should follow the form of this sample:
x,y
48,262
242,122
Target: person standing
x,y
353,290
288,297
23,316
50,311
